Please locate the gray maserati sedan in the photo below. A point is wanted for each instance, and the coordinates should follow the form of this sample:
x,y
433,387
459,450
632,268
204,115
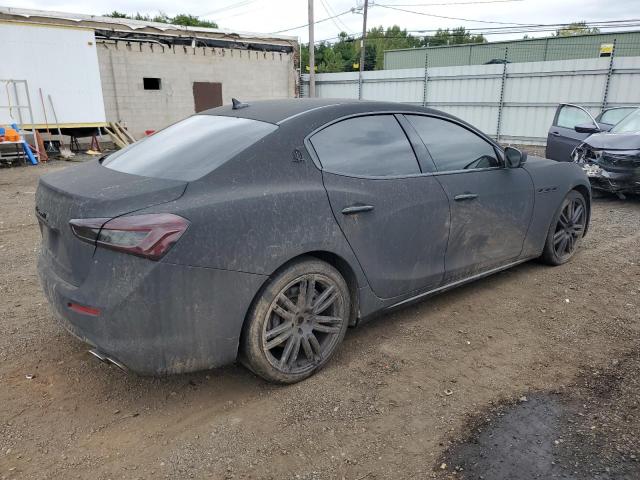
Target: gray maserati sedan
x,y
261,232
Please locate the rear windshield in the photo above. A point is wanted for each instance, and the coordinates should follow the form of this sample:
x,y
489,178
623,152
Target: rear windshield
x,y
190,148
630,124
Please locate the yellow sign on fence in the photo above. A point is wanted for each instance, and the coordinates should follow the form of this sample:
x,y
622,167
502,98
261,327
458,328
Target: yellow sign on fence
x,y
606,49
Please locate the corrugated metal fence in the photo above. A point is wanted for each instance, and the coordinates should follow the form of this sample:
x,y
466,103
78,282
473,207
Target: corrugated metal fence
x,y
627,44
513,102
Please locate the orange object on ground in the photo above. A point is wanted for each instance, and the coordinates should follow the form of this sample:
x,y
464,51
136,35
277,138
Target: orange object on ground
x,y
10,135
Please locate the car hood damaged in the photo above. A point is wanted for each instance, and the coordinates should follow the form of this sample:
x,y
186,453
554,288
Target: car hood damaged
x,y
614,141
611,161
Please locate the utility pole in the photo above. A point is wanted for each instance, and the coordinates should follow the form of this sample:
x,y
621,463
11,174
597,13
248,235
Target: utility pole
x,y
364,34
312,57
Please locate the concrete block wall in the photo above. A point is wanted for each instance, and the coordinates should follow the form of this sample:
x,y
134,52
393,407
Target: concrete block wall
x,y
244,74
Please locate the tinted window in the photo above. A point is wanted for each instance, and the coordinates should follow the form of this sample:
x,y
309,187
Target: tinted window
x,y
189,149
569,117
614,115
453,147
371,146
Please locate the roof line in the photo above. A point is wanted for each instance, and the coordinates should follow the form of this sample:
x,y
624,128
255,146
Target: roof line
x,y
133,25
304,112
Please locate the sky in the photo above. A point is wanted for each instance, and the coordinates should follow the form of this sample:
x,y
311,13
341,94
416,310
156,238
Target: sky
x,y
270,16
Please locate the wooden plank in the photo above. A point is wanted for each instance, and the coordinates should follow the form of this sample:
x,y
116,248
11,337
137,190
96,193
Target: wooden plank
x,y
125,132
115,138
115,130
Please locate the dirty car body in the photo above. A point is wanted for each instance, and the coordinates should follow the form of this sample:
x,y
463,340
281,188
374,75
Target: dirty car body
x,y
155,254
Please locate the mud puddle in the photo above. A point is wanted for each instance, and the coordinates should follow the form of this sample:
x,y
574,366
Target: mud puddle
x,y
587,431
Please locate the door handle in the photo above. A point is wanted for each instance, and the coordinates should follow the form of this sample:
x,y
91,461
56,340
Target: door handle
x,y
356,209
465,196
555,133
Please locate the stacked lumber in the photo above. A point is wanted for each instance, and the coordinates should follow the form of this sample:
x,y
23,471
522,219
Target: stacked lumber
x,y
120,136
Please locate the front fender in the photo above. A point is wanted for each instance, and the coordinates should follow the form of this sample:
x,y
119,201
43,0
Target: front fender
x,y
552,181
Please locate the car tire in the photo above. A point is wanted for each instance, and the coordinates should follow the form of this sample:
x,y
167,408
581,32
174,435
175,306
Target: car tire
x,y
567,229
296,323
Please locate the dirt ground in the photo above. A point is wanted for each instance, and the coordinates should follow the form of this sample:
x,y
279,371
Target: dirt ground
x,y
402,393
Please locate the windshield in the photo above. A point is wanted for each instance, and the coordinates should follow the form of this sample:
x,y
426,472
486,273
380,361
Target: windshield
x,y
629,124
614,115
190,148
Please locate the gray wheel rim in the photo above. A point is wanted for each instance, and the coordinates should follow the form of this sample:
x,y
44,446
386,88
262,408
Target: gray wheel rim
x,y
303,324
570,228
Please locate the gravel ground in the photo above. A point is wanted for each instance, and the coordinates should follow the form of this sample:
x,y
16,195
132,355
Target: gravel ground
x,y
403,392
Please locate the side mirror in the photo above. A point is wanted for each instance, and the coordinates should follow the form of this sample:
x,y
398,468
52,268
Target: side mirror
x,y
514,157
587,128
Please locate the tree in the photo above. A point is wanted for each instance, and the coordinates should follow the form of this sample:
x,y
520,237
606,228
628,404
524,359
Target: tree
x,y
116,14
192,21
345,49
331,62
392,38
457,36
370,56
576,28
342,55
336,57
180,19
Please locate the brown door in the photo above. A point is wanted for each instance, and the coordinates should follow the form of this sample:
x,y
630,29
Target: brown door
x,y
207,95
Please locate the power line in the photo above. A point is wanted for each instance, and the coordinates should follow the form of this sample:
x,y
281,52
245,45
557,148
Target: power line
x,y
445,17
329,9
241,3
541,28
242,12
330,12
449,3
315,23
481,32
333,16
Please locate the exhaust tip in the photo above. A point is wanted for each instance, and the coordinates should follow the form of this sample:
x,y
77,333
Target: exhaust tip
x,y
104,358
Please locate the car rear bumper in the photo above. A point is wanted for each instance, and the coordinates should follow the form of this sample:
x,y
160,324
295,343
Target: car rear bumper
x,y
154,318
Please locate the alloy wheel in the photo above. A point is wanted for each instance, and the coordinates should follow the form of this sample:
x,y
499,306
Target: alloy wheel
x,y
303,323
570,227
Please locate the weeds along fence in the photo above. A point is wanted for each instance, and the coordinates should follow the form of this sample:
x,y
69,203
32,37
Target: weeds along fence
x,y
513,101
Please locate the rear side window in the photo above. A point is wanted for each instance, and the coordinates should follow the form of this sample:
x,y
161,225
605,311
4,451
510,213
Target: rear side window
x,y
190,148
453,147
570,116
374,145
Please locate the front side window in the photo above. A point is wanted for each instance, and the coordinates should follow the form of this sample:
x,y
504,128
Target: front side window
x,y
570,116
373,145
452,146
190,148
630,124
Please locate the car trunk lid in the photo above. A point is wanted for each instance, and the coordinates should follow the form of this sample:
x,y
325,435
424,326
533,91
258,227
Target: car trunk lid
x,y
90,191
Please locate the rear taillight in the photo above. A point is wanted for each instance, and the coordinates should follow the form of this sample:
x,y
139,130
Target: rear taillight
x,y
149,236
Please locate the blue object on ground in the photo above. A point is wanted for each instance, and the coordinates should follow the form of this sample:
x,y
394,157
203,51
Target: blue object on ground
x,y
27,150
25,146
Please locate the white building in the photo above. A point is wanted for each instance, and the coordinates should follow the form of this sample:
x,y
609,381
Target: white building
x,y
143,74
